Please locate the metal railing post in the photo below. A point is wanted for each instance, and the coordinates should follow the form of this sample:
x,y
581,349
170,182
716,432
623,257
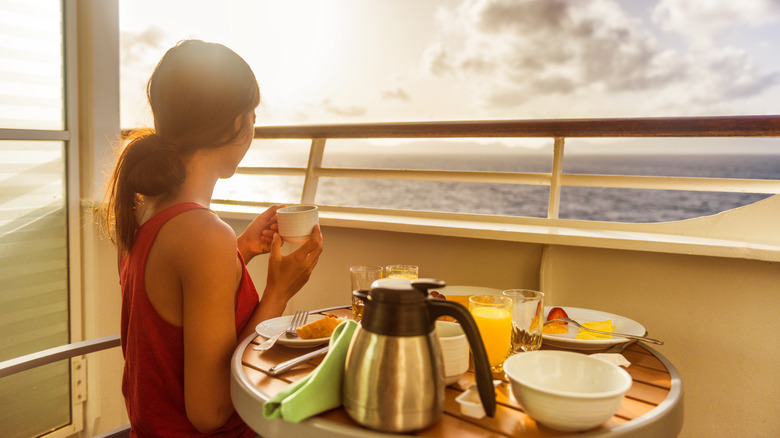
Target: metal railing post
x,y
555,180
312,171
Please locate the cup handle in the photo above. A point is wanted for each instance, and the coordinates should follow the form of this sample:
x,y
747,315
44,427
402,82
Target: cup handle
x,y
487,393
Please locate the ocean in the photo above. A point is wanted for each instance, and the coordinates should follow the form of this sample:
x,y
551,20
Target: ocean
x,y
583,203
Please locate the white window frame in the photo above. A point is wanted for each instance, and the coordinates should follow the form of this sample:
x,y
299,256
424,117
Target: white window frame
x,y
78,366
70,136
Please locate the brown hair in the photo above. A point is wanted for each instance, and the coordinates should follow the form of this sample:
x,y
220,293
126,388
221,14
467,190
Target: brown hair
x,y
196,92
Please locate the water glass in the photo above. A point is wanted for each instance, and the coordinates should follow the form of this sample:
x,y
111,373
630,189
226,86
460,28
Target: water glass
x,y
402,271
362,277
527,319
493,315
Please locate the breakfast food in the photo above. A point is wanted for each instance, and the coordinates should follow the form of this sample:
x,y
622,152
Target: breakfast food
x,y
604,326
555,313
437,295
557,327
321,328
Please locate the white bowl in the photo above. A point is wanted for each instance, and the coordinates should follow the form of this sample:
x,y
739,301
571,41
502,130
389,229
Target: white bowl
x,y
565,390
454,350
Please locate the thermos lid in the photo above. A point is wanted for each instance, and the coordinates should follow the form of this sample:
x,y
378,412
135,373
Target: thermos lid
x,y
396,307
396,291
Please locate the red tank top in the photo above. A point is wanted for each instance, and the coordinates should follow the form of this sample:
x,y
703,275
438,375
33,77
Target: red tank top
x,y
153,381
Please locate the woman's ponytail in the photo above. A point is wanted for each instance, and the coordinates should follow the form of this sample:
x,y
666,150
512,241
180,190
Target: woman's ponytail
x,y
147,166
153,167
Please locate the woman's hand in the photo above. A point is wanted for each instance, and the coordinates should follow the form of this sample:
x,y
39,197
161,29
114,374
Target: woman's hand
x,y
287,274
258,236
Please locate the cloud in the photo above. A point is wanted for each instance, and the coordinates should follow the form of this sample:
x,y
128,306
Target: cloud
x,y
436,60
136,46
728,74
513,51
348,111
398,94
702,19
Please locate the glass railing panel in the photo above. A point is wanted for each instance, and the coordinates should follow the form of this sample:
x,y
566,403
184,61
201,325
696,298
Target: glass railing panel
x,y
268,188
449,195
646,206
442,196
277,153
733,158
260,189
749,158
467,154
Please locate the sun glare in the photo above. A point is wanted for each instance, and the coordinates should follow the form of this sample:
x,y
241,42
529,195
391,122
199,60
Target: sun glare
x,y
294,55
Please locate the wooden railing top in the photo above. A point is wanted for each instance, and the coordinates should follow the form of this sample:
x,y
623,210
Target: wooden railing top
x,y
721,126
728,126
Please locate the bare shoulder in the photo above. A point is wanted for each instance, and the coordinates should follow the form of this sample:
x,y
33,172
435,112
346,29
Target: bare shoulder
x,y
197,234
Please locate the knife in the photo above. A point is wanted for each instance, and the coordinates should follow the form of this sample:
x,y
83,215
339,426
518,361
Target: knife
x,y
343,306
284,366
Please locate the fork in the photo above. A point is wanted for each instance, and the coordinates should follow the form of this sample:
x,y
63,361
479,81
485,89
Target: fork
x,y
297,320
622,335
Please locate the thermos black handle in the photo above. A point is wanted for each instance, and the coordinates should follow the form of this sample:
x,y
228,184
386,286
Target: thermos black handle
x,y
487,394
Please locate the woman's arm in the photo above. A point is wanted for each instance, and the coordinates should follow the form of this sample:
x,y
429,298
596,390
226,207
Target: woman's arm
x,y
210,272
286,276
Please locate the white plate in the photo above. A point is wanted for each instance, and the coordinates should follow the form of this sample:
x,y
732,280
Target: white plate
x,y
619,324
271,327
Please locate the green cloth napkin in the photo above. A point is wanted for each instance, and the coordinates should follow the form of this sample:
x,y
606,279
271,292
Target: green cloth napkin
x,y
319,391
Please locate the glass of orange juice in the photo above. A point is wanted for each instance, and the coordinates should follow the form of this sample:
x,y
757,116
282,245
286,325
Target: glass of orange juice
x,y
401,271
493,315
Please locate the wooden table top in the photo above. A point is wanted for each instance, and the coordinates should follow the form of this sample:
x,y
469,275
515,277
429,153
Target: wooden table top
x,y
653,404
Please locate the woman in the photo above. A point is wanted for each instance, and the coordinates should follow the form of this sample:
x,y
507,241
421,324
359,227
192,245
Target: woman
x,y
187,298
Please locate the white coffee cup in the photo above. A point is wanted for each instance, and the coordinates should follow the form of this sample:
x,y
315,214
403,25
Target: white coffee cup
x,y
454,350
296,222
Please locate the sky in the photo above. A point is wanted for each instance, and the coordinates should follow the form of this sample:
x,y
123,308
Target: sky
x,y
352,61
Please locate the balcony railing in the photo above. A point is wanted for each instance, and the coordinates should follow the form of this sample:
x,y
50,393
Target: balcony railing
x,y
559,130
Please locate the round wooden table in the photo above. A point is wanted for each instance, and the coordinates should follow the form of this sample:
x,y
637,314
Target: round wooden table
x,y
653,406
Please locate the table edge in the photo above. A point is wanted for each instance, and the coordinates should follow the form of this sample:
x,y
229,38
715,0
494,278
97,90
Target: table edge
x,y
665,417
243,391
654,423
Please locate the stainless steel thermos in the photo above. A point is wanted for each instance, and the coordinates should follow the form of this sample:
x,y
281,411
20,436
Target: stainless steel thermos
x,y
393,376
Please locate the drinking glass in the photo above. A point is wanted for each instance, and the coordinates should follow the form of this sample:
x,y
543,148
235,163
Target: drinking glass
x,y
527,319
493,315
362,277
401,271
